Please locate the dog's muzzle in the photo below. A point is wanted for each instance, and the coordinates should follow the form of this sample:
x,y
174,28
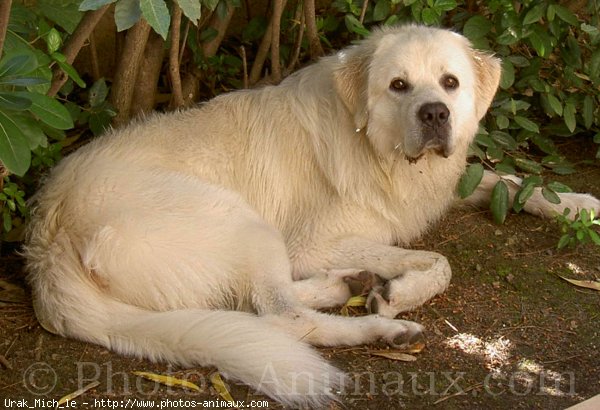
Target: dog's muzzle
x,y
435,128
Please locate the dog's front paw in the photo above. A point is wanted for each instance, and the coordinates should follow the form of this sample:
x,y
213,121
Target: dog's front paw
x,y
410,290
377,301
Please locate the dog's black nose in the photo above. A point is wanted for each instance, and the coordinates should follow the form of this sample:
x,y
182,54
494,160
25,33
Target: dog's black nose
x,y
434,114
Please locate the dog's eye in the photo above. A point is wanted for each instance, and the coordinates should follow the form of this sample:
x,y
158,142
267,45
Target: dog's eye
x,y
399,84
449,82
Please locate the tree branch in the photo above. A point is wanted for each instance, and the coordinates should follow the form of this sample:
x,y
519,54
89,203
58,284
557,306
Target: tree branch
x,y
4,17
174,75
297,43
244,65
210,48
314,43
144,94
261,56
127,70
275,33
74,44
363,11
94,58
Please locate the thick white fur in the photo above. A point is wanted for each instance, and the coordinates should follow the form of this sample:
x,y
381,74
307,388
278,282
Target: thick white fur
x,y
206,237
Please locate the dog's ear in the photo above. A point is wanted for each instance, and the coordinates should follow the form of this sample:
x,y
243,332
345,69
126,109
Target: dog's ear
x,y
350,79
488,70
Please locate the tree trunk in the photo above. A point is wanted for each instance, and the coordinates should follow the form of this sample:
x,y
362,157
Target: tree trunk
x,y
127,70
144,95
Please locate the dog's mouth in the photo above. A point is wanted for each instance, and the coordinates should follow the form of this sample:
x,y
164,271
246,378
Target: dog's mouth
x,y
439,149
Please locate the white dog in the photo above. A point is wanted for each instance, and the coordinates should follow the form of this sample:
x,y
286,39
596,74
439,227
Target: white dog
x,y
209,236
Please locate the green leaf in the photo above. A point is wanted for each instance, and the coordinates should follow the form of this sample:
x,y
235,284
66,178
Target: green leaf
x,y
31,130
6,220
65,13
49,110
522,196
524,193
485,140
23,81
99,122
559,187
504,139
69,69
94,4
594,237
499,202
502,121
555,104
477,27
470,180
513,105
429,16
544,143
18,64
506,167
569,116
381,10
527,124
571,52
72,73
10,101
538,43
508,37
98,93
533,15
127,13
566,15
53,40
353,25
588,111
550,195
528,165
563,169
191,9
445,5
564,241
14,150
157,15
508,74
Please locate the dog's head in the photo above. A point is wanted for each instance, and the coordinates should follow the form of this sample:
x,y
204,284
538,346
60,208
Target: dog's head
x,y
416,90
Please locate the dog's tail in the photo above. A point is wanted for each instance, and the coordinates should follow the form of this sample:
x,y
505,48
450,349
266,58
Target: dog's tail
x,y
242,346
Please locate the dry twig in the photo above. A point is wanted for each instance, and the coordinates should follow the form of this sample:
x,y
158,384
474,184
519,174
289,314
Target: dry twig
x,y
177,92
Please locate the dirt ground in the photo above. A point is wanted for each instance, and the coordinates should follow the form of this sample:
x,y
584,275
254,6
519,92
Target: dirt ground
x,y
509,333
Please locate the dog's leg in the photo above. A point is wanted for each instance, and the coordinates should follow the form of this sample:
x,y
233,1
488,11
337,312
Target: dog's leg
x,y
276,300
414,276
360,254
324,290
537,204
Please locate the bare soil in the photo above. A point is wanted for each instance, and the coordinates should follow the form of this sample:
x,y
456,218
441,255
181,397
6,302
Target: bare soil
x,y
509,333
